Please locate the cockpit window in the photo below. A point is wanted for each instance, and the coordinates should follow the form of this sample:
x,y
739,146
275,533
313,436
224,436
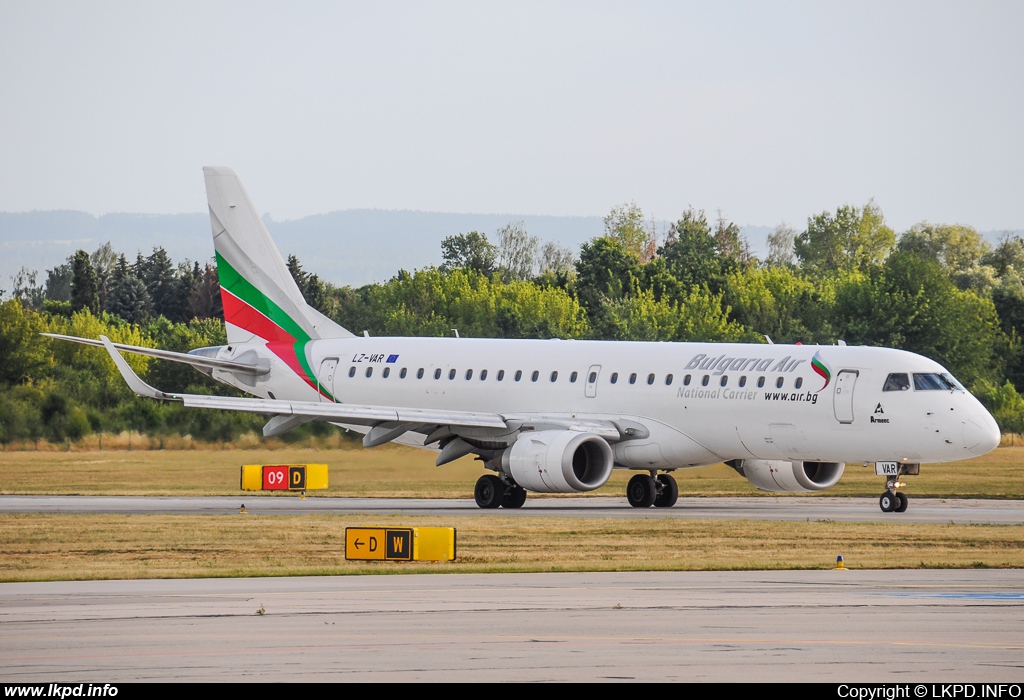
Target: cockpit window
x,y
897,382
952,380
933,382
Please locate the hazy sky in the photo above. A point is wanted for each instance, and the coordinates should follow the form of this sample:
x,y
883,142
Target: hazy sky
x,y
769,111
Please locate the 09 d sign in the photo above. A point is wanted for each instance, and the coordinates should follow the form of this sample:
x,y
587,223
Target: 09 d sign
x,y
284,478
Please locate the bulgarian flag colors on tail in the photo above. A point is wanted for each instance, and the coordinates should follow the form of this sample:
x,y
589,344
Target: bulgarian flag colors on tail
x,y
248,308
819,366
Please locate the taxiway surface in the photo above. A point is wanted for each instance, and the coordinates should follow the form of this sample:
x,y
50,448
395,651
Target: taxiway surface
x,y
922,510
839,626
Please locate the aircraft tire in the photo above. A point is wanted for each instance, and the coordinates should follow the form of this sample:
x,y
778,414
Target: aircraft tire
x,y
641,491
669,492
489,491
887,502
515,497
901,502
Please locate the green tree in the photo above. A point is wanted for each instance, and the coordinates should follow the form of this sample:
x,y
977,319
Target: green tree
x,y
84,284
691,251
158,273
190,278
431,303
1005,404
1008,256
852,239
63,420
128,297
780,246
58,282
314,291
517,252
471,251
31,294
206,301
700,316
19,415
910,303
656,277
103,260
606,271
774,301
23,351
556,260
625,223
957,248
733,249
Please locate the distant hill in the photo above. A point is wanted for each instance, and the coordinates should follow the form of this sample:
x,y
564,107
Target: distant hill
x,y
352,247
344,247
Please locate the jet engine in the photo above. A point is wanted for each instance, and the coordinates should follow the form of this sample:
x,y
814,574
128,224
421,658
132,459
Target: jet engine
x,y
783,475
558,461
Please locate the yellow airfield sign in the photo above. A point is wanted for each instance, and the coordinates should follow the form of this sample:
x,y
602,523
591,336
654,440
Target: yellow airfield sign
x,y
284,477
400,543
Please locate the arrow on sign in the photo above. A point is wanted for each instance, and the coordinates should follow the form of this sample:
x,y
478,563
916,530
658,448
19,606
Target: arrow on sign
x,y
358,544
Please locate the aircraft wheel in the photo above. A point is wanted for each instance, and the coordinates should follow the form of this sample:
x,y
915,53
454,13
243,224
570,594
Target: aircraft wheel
x,y
887,502
515,497
901,502
641,491
669,492
489,491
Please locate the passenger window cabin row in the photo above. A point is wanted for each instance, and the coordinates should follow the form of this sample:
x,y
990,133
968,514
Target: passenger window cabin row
x,y
897,381
613,378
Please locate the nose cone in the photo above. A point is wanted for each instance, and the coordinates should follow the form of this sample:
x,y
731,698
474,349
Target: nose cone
x,y
981,434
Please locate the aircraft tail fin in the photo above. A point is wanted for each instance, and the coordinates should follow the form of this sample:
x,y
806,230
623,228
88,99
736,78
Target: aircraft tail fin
x,y
259,295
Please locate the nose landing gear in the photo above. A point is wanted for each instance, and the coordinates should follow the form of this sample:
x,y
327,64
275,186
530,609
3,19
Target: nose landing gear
x,y
893,501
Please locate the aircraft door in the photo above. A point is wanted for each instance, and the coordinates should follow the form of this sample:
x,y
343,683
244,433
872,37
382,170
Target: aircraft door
x,y
592,374
843,396
325,378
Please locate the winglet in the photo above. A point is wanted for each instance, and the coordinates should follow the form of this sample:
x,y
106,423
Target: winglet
x,y
134,383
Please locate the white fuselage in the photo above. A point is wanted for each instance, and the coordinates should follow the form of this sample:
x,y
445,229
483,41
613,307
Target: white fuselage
x,y
702,402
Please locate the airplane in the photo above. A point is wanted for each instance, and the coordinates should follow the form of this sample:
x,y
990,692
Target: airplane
x,y
558,416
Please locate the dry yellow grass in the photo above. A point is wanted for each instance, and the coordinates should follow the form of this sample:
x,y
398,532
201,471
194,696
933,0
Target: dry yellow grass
x,y
397,471
54,547
78,547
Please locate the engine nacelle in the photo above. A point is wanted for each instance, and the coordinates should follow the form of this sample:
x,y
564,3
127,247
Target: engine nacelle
x,y
558,461
783,475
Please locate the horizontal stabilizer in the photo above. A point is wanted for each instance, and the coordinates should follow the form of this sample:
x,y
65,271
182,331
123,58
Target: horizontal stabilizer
x,y
194,360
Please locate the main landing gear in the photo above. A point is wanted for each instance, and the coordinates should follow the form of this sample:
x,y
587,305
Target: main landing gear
x,y
492,492
644,491
892,501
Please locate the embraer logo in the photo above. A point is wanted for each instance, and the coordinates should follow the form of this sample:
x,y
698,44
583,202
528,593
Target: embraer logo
x,y
879,411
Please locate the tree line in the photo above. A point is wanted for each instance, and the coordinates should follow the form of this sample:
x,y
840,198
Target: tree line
x,y
936,289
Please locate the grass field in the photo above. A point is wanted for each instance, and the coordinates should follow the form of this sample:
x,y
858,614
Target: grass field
x,y
56,547
397,471
62,547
